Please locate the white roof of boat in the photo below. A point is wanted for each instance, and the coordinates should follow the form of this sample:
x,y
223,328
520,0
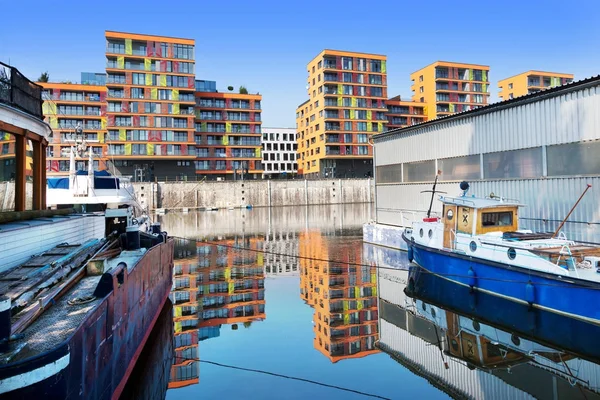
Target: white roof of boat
x,y
479,202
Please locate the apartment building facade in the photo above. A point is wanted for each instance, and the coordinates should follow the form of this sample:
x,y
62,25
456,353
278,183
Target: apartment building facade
x,y
150,104
279,149
402,113
346,105
77,115
344,297
531,82
449,87
228,133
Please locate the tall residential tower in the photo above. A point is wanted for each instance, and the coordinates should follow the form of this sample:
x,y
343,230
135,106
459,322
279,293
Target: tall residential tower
x,y
449,87
347,93
150,104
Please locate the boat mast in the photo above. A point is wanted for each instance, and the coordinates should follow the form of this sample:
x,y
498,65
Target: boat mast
x,y
570,212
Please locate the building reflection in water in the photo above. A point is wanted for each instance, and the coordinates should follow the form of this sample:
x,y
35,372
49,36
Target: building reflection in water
x,y
343,295
214,284
465,357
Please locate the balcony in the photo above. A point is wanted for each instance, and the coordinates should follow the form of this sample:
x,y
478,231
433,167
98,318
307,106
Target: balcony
x,y
332,139
20,92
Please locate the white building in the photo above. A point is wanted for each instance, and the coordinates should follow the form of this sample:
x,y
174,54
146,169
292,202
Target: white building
x,y
279,152
541,149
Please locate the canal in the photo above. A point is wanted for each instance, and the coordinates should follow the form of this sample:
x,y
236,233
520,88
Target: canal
x,y
288,302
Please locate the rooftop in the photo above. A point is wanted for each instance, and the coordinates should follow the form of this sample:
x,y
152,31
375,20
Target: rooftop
x,y
452,63
536,72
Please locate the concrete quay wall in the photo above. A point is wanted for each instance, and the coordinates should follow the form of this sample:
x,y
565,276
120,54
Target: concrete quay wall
x,y
264,193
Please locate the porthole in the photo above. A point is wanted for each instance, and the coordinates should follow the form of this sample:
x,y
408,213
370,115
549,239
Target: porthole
x,y
512,253
421,232
430,233
473,246
515,339
450,215
476,325
454,344
424,306
433,312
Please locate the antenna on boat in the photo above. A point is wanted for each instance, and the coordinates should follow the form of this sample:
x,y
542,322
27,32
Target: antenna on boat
x,y
570,212
433,192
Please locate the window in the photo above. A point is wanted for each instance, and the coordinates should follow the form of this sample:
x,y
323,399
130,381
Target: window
x,y
375,66
421,89
346,62
320,64
503,218
510,85
421,78
347,77
375,79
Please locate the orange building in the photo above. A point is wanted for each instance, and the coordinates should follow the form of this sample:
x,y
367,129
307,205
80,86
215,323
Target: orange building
x,y
231,283
150,105
184,296
347,93
531,82
68,107
449,87
343,295
228,134
402,113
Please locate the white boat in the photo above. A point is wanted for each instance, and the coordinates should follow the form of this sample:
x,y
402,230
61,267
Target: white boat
x,y
96,191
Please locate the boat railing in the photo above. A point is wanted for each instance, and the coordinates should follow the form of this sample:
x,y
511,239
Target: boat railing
x,y
460,200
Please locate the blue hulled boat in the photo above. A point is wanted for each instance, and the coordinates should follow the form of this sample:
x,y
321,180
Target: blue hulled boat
x,y
478,244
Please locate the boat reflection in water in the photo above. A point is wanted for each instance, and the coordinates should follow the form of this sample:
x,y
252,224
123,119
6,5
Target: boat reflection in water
x,y
476,346
215,283
343,295
151,383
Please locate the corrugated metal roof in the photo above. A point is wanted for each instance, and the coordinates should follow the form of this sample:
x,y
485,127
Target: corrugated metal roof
x,y
538,96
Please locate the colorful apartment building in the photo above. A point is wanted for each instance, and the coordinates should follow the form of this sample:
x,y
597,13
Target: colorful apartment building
x,y
402,113
184,296
77,115
231,282
343,294
346,105
531,82
448,87
150,84
228,133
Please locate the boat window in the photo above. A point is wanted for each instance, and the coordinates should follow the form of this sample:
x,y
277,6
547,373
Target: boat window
x,y
503,218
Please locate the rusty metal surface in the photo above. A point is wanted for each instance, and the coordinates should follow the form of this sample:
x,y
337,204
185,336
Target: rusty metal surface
x,y
59,322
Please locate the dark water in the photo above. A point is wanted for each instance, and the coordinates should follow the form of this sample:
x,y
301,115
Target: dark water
x,y
288,303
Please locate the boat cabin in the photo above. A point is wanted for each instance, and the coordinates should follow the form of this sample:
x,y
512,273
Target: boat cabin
x,y
478,216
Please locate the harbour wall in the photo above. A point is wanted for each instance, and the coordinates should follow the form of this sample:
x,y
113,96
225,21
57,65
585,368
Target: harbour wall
x,y
264,193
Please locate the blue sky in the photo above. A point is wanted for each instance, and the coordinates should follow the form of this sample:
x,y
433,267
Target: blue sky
x,y
265,45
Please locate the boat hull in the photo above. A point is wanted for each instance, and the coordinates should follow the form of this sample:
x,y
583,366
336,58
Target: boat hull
x,y
561,295
551,329
97,359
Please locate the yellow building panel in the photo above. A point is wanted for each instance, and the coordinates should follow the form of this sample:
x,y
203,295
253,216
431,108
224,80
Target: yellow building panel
x,y
127,149
257,152
149,149
121,62
163,80
147,64
128,47
176,108
154,93
175,94
122,134
148,79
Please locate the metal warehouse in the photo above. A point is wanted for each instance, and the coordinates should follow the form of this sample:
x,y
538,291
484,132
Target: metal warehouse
x,y
541,149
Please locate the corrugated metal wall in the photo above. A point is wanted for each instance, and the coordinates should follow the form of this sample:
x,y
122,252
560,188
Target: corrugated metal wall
x,y
557,119
566,118
475,383
547,202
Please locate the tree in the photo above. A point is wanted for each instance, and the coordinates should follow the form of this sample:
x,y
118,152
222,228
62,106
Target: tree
x,y
230,88
247,324
44,77
243,90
